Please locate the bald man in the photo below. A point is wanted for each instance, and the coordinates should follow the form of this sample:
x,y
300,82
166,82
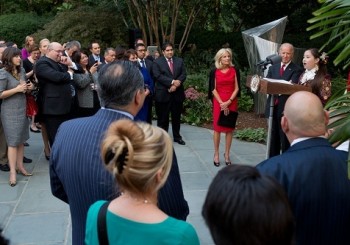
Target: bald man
x,y
313,174
56,93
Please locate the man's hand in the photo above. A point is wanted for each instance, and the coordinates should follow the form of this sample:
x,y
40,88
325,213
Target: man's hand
x,y
66,61
177,83
172,89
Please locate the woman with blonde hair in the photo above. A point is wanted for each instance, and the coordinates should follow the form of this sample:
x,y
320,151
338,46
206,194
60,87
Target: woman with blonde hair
x,y
223,91
29,41
139,155
43,45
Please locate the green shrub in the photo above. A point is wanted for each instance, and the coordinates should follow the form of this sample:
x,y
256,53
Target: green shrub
x,y
198,80
109,32
245,102
251,135
197,108
15,27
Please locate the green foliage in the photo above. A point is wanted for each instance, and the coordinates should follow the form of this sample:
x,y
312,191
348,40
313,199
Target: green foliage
x,y
106,28
332,20
65,6
199,81
209,42
245,102
338,83
15,27
251,135
197,111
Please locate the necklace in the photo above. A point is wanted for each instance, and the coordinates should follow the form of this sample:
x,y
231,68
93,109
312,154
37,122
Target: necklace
x,y
144,201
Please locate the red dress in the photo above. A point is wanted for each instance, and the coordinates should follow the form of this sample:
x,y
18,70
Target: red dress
x,y
225,85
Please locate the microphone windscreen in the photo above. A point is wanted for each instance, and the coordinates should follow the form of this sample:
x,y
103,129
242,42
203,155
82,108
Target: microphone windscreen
x,y
274,59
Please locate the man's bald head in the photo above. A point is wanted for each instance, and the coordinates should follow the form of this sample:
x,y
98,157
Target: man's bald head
x,y
304,116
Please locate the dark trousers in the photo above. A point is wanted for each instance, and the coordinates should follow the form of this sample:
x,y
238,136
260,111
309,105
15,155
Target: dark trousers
x,y
279,141
52,123
163,111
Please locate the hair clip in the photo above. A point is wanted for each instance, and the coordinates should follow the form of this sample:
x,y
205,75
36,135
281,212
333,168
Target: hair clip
x,y
121,160
109,156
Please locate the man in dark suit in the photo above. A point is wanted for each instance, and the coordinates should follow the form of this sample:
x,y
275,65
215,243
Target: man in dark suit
x,y
95,55
141,57
313,174
56,93
146,63
78,176
169,75
288,71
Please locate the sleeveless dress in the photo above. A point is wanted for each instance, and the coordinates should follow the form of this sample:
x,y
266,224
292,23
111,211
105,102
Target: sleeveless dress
x,y
13,111
225,85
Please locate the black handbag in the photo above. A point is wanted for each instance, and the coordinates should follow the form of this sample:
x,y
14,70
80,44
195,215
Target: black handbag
x,y
229,120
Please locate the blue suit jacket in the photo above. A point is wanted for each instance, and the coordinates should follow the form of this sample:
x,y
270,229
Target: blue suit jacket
x,y
79,178
314,176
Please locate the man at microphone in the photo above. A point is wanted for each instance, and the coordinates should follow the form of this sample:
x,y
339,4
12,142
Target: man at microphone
x,y
288,71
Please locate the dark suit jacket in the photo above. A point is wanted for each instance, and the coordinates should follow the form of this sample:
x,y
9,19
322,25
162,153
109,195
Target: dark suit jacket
x,y
163,77
92,60
55,91
314,176
291,73
79,177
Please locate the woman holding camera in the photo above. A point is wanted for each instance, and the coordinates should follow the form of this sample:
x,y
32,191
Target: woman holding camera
x,y
13,109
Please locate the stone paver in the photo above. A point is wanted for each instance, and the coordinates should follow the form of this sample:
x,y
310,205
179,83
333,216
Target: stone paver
x,y
29,214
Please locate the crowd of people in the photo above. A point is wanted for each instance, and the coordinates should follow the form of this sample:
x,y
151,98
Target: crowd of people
x,y
126,174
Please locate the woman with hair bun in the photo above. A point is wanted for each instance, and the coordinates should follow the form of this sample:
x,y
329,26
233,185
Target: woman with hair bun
x,y
315,74
139,155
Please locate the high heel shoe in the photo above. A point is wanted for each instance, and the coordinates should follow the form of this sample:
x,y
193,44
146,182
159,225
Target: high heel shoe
x,y
12,183
227,162
216,164
47,156
34,130
24,173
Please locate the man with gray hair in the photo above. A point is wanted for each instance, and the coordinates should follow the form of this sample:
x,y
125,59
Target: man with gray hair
x,y
78,176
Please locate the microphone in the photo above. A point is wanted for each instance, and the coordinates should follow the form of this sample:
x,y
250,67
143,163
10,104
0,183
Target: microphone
x,y
271,59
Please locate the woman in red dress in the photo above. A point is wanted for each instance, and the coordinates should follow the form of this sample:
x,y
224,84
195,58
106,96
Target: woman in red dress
x,y
224,91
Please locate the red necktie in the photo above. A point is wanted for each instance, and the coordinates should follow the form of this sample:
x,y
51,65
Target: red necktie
x,y
171,66
282,69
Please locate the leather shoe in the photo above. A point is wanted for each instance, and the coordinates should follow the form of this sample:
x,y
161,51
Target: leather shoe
x,y
180,141
27,160
35,130
26,144
4,167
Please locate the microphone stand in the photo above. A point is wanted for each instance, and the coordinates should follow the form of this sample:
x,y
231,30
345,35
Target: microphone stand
x,y
270,119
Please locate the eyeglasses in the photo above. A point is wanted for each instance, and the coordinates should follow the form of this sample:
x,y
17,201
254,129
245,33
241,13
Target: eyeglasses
x,y
58,51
